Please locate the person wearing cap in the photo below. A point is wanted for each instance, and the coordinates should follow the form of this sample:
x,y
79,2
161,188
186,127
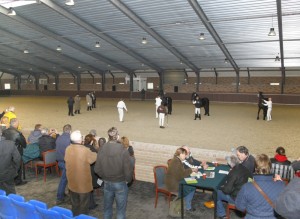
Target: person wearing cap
x,y
78,159
287,204
121,107
10,114
114,167
280,157
77,105
237,177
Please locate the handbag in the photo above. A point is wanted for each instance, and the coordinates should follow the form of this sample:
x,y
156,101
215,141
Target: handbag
x,y
175,208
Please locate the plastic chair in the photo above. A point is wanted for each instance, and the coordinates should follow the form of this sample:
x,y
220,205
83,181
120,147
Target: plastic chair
x,y
7,209
2,192
84,216
62,211
38,203
48,214
160,187
16,197
25,210
66,217
49,160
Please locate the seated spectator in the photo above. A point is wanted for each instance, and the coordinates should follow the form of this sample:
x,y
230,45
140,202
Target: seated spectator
x,y
46,142
280,157
246,159
35,134
53,133
88,142
191,162
296,164
177,172
287,204
249,199
236,178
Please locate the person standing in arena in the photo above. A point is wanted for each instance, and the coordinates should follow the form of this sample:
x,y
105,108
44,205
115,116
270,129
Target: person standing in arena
x,y
197,103
161,110
158,102
121,107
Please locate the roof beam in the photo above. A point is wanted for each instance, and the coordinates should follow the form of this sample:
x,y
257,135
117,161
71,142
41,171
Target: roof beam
x,y
52,35
198,10
122,7
98,33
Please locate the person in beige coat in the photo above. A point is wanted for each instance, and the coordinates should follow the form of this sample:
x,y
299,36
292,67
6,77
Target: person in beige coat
x,y
78,159
77,105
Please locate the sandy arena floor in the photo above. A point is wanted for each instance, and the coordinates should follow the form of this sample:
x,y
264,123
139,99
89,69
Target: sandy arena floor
x,y
229,125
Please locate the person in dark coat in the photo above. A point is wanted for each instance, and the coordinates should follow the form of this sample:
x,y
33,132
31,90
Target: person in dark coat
x,y
70,103
10,161
246,158
46,142
236,178
18,138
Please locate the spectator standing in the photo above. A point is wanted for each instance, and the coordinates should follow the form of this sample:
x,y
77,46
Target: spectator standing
x,y
113,165
93,96
70,103
62,142
10,161
10,114
13,134
88,102
78,160
246,159
249,198
77,106
162,112
121,107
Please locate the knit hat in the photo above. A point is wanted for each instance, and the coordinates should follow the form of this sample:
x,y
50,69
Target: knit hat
x,y
93,132
76,136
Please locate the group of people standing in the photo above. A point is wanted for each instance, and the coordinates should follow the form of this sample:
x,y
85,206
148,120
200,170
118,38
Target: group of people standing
x,y
74,105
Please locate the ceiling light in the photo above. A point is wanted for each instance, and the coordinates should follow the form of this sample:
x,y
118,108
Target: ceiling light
x,y
70,2
201,37
277,59
97,44
181,62
58,48
272,30
26,51
226,60
79,67
11,12
144,40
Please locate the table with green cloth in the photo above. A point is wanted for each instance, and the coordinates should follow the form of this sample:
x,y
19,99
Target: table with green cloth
x,y
212,184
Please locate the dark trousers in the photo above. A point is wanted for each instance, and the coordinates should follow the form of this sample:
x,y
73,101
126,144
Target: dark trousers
x,y
8,186
70,110
80,202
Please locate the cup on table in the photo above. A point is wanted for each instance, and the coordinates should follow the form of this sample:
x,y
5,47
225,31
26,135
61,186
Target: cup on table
x,y
216,163
204,175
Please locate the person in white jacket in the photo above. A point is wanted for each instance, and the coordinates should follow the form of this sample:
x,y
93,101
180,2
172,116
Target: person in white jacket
x,y
269,105
121,107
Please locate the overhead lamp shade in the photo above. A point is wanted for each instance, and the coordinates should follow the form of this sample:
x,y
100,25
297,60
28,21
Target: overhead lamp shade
x,y
70,2
277,59
11,12
226,61
201,37
26,51
272,32
144,40
97,45
58,48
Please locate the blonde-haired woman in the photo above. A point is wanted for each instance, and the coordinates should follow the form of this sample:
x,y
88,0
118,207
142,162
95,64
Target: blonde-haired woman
x,y
176,172
249,199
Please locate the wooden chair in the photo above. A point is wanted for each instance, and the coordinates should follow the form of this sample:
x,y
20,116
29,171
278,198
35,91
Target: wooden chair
x,y
49,160
160,187
230,206
168,162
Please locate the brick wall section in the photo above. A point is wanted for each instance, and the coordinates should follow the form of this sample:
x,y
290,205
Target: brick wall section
x,y
149,155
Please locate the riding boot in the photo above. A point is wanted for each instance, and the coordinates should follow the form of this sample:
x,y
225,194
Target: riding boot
x,y
195,116
199,116
78,111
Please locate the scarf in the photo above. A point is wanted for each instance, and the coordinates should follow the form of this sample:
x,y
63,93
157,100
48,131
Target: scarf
x,y
280,158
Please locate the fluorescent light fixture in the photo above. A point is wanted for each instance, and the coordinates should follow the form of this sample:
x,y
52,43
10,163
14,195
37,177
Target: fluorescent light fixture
x,y
98,83
53,83
272,32
58,48
201,37
277,58
121,83
26,51
11,12
274,84
71,83
97,45
144,40
226,60
150,86
70,2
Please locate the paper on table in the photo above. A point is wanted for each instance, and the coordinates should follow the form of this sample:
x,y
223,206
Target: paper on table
x,y
223,172
210,168
190,180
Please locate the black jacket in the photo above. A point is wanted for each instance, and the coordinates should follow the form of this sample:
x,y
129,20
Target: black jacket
x,y
15,136
236,178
